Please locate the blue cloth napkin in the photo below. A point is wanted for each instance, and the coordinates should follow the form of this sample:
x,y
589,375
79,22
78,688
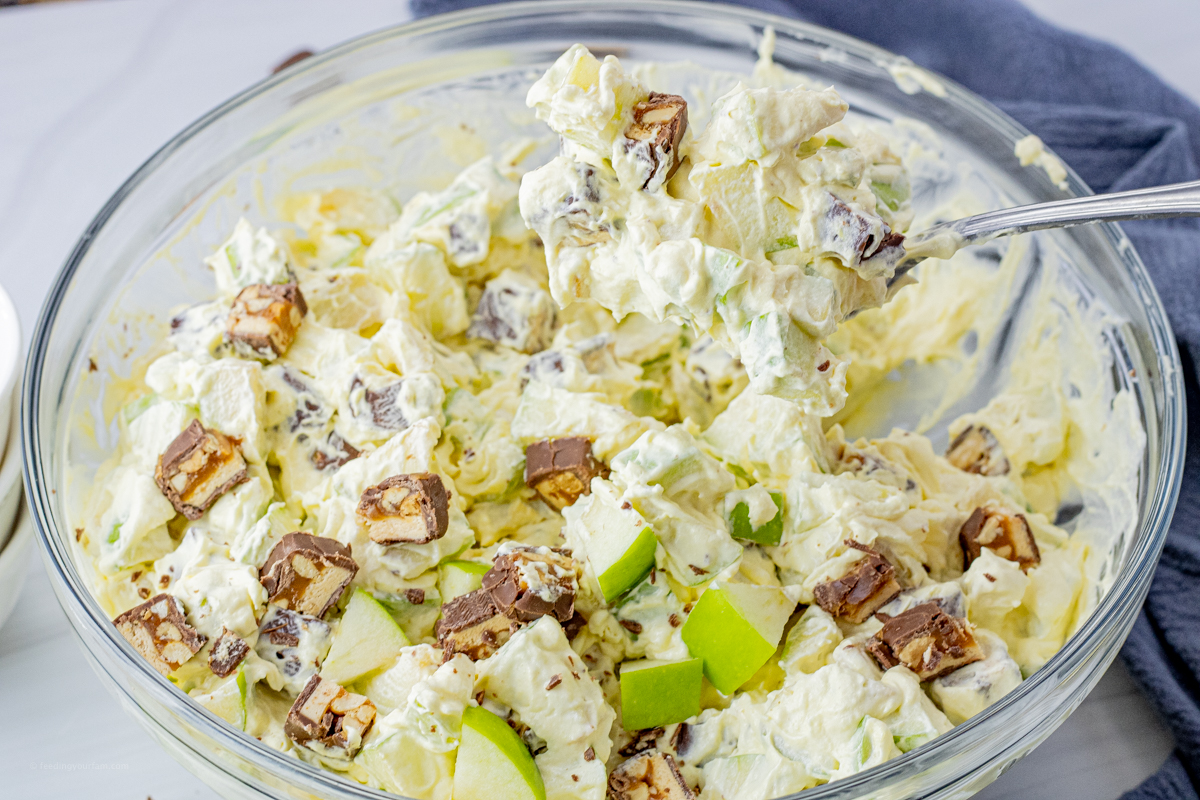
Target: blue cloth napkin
x,y
1120,127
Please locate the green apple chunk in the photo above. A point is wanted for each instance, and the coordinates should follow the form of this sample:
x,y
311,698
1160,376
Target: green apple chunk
x,y
657,693
620,543
456,578
767,533
228,699
492,761
367,640
734,629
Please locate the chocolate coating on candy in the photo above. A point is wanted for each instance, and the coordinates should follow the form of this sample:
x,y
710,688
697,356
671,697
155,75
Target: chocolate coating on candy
x,y
527,583
197,468
227,653
473,625
158,629
870,584
659,123
307,573
561,470
1006,535
514,311
265,318
411,508
856,237
927,640
977,450
335,453
649,776
328,719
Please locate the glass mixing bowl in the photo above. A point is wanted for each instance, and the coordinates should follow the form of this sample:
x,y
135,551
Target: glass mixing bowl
x,y
361,113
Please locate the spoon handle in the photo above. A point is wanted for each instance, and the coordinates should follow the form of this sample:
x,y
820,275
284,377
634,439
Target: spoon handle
x,y
1158,202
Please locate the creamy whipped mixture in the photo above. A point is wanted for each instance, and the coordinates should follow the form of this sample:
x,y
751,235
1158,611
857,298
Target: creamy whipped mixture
x,y
686,303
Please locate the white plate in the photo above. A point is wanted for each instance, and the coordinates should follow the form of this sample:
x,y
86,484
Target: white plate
x,y
10,368
10,476
14,564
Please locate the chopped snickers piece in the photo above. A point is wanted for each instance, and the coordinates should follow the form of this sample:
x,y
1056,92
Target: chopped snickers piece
x,y
381,404
856,237
294,643
977,450
411,509
574,625
870,584
561,470
659,123
227,652
1006,535
927,640
325,718
158,630
649,776
641,741
336,453
197,468
514,311
527,583
265,318
473,625
307,573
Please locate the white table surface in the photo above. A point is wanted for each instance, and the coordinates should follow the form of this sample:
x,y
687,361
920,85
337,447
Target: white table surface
x,y
88,90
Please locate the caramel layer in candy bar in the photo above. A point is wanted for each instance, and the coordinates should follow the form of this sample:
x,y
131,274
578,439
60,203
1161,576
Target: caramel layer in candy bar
x,y
1006,535
927,640
561,470
265,318
659,123
307,573
530,582
977,450
197,468
473,625
227,653
410,508
649,776
328,719
158,629
870,583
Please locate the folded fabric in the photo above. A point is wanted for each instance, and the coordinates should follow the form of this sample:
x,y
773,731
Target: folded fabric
x,y
1119,127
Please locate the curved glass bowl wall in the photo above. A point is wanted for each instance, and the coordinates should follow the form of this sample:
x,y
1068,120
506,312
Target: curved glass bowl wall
x,y
361,113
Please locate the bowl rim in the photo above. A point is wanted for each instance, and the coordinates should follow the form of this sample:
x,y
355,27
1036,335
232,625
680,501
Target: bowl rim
x,y
1127,591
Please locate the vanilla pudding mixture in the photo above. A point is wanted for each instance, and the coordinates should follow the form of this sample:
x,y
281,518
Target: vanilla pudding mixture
x,y
542,423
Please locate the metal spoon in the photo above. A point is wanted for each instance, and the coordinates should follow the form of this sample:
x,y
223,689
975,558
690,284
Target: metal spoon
x,y
945,239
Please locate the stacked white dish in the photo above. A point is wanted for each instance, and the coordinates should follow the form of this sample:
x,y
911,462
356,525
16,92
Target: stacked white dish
x,y
16,531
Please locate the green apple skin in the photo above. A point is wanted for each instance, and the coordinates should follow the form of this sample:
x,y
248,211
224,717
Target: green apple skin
x,y
770,533
456,578
631,567
367,640
659,693
734,628
493,763
620,543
